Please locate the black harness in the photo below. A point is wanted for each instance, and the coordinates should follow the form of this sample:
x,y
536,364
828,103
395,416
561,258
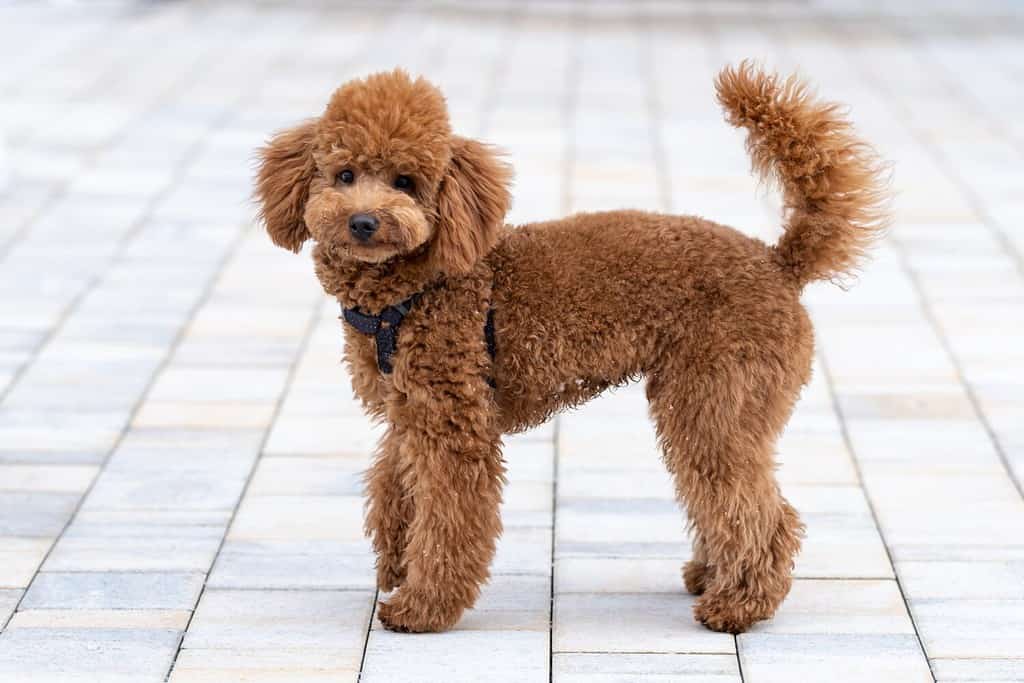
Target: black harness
x,y
384,329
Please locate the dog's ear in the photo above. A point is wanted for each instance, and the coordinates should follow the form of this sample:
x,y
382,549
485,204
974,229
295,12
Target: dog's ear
x,y
286,168
471,205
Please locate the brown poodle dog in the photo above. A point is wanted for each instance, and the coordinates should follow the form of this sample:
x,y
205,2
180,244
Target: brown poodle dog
x,y
459,329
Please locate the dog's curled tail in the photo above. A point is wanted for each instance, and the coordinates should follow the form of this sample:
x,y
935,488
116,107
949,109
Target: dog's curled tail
x,y
834,187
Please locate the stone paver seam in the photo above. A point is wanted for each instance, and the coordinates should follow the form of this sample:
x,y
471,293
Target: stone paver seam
x,y
844,430
307,336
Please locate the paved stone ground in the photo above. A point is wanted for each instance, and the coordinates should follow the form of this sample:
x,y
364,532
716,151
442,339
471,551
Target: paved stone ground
x,y
180,453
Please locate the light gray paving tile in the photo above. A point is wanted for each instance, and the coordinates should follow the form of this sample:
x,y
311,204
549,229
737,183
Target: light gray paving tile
x,y
102,618
602,444
318,665
523,550
957,552
964,580
658,623
971,628
43,430
77,552
618,575
512,656
576,667
529,460
155,488
204,414
219,384
267,619
582,481
294,564
842,546
527,503
227,353
183,523
838,657
56,654
620,527
35,514
338,475
24,457
295,434
61,479
207,447
989,670
20,559
113,590
840,606
292,518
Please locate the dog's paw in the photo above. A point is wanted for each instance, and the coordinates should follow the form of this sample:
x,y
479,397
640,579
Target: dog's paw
x,y
696,576
408,612
730,612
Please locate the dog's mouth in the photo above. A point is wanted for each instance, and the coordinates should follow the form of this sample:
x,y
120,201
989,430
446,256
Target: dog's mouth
x,y
371,251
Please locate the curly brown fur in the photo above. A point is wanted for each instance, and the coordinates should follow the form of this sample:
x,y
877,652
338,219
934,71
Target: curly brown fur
x,y
831,181
711,317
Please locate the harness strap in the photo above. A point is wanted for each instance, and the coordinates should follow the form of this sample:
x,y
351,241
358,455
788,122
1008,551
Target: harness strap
x,y
384,329
492,343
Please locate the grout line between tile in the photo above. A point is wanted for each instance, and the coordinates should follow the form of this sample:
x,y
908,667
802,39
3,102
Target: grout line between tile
x,y
844,429
286,390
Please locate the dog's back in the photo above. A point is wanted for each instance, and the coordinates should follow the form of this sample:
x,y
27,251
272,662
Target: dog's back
x,y
594,300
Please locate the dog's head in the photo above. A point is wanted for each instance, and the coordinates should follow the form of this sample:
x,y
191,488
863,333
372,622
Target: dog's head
x,y
380,176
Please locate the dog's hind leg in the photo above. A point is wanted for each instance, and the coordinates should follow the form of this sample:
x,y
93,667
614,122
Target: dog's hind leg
x,y
717,424
389,509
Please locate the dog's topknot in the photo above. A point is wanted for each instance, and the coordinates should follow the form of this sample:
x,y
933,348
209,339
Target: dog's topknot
x,y
391,119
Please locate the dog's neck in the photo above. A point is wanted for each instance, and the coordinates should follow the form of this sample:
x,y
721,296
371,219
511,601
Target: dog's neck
x,y
372,287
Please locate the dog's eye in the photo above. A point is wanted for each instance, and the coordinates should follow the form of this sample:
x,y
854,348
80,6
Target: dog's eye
x,y
403,183
347,177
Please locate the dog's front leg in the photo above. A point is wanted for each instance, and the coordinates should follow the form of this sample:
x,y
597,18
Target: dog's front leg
x,y
389,509
454,452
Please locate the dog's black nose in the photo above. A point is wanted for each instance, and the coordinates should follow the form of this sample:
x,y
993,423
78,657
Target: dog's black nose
x,y
362,225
